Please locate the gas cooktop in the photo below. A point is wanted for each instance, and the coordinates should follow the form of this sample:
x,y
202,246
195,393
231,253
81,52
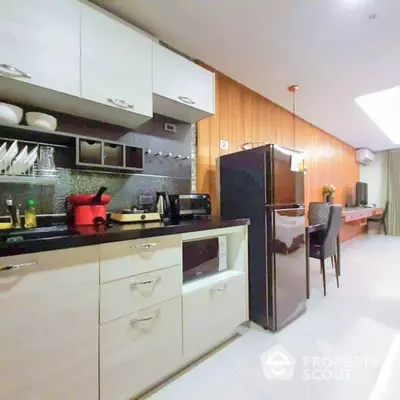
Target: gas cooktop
x,y
134,215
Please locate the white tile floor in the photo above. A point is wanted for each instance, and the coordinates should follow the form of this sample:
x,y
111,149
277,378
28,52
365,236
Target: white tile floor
x,y
356,328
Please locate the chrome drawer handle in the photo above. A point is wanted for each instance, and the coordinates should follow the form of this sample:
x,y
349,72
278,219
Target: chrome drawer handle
x,y
120,103
219,289
148,318
145,246
14,71
17,266
186,100
133,284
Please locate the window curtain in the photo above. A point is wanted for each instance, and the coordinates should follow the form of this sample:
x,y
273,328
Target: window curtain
x,y
392,158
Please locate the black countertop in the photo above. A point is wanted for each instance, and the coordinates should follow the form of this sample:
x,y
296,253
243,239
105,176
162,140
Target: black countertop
x,y
88,236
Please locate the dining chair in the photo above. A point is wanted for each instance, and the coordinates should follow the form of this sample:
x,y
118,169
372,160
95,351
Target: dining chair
x,y
318,213
324,245
381,219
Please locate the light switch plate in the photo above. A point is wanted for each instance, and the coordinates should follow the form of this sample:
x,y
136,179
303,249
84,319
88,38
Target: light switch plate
x,y
224,145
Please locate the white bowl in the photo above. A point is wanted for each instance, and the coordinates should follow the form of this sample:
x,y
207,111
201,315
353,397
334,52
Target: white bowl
x,y
10,114
40,120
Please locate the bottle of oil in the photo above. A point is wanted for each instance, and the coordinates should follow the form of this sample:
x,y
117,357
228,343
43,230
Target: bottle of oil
x,y
30,215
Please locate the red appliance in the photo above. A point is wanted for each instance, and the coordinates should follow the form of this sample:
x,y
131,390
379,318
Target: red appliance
x,y
87,209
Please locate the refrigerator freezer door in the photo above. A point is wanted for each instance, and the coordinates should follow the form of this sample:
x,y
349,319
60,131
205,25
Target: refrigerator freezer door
x,y
287,265
287,176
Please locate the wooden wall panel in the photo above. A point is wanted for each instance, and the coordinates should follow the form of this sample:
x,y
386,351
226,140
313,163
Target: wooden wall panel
x,y
244,116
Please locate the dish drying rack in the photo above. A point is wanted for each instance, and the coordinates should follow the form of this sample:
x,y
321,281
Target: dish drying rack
x,y
21,166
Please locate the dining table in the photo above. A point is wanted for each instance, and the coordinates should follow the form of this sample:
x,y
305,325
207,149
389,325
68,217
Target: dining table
x,y
309,230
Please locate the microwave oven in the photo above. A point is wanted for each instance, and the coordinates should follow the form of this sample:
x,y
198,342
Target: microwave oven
x,y
202,257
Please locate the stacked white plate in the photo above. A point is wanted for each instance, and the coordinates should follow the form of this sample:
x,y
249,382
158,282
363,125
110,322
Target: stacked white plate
x,y
14,163
30,159
8,157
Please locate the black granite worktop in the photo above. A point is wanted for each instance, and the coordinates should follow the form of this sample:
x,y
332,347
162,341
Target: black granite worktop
x,y
88,236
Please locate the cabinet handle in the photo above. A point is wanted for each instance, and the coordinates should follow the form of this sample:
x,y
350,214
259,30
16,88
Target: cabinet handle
x,y
186,100
17,266
148,318
219,289
144,246
133,284
120,103
15,72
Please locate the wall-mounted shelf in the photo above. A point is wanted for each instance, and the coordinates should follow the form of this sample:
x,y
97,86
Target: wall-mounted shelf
x,y
28,179
90,151
108,155
35,135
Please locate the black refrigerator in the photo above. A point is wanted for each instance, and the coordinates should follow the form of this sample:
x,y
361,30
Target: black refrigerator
x,y
266,184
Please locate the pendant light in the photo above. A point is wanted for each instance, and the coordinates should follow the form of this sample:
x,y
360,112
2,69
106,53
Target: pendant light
x,y
293,89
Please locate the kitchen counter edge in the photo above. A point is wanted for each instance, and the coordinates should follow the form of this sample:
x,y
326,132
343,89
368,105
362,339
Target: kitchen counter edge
x,y
117,233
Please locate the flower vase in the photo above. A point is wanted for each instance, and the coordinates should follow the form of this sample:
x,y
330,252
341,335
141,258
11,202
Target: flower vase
x,y
330,198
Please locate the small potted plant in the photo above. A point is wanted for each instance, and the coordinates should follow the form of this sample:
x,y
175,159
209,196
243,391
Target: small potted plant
x,y
329,193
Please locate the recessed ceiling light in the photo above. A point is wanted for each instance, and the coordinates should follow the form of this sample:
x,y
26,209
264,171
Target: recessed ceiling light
x,y
384,109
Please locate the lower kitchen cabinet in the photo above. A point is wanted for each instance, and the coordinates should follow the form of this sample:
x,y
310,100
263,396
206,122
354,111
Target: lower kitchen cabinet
x,y
110,322
49,325
212,313
140,349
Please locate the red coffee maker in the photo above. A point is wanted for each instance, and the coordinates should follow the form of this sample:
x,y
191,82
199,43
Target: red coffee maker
x,y
87,209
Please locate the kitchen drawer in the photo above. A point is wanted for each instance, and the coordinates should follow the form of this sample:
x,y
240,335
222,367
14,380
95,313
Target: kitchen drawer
x,y
212,313
129,295
352,216
123,259
135,355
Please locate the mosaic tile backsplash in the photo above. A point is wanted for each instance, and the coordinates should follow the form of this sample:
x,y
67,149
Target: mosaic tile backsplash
x,y
123,188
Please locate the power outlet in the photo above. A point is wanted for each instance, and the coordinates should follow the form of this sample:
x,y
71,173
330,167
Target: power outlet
x,y
170,127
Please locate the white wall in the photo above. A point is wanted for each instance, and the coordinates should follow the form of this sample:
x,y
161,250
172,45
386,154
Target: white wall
x,y
375,175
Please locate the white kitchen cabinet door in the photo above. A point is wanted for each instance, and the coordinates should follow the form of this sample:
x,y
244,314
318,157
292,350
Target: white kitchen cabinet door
x,y
40,43
116,63
212,313
139,350
49,325
182,89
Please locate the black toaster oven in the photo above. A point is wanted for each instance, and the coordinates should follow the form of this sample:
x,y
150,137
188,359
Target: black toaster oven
x,y
189,205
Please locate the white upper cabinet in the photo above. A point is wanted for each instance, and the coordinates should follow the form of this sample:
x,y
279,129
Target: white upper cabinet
x,y
116,64
182,89
40,43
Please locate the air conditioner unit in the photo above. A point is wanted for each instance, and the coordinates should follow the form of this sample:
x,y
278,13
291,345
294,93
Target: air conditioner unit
x,y
364,156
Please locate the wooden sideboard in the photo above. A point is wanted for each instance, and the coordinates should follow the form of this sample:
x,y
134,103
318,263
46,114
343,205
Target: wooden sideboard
x,y
355,221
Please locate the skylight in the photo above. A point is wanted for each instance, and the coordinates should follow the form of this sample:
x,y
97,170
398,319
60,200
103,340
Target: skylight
x,y
384,109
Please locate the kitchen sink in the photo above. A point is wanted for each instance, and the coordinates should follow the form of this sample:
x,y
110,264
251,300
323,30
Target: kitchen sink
x,y
18,235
